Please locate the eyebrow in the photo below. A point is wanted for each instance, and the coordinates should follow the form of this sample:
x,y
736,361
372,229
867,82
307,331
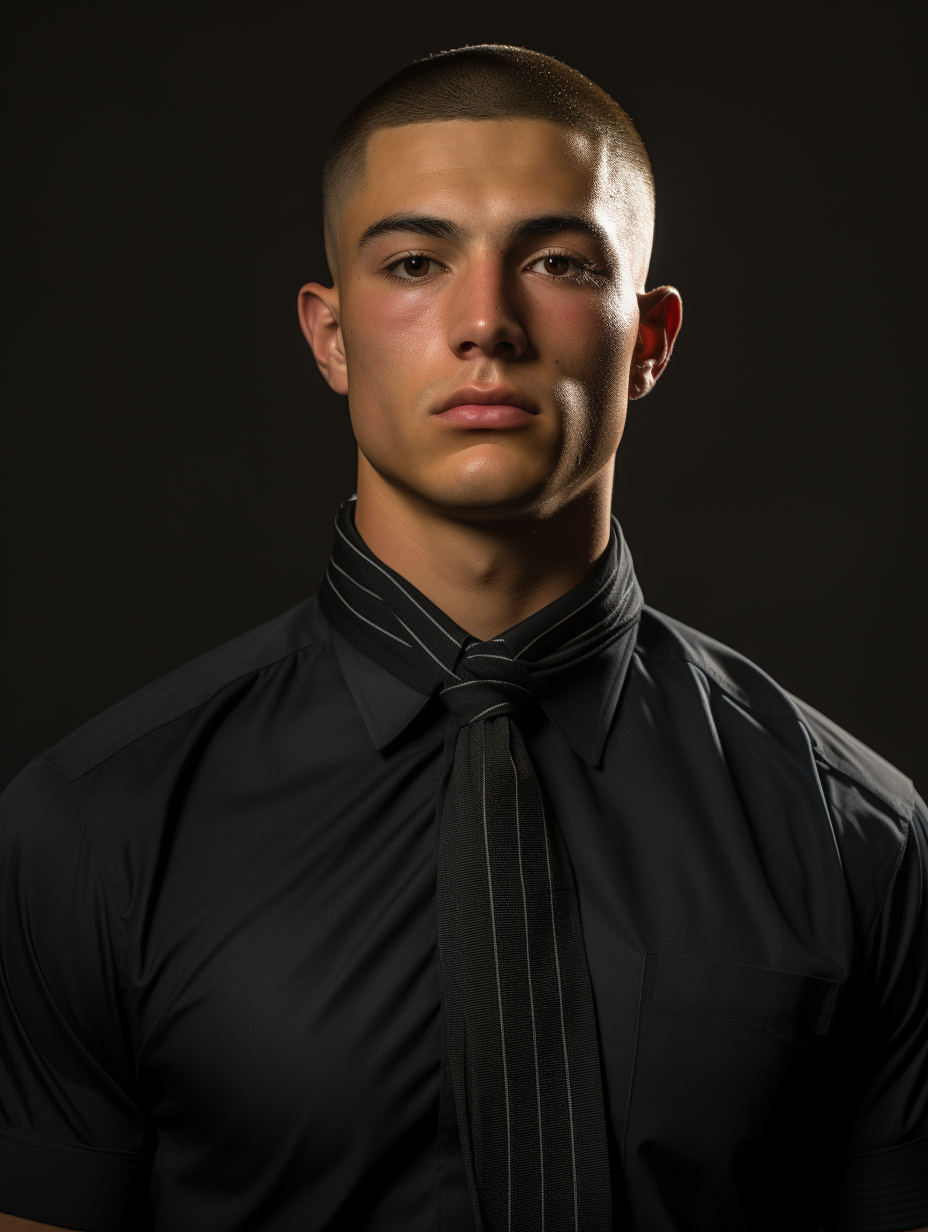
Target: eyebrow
x,y
418,224
444,229
552,224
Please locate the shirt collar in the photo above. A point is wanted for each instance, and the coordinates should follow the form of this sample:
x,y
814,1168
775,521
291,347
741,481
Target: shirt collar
x,y
581,707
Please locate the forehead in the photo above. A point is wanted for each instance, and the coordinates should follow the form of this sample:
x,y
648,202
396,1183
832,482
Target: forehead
x,y
483,171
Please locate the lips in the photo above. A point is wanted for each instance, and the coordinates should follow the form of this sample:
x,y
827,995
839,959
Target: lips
x,y
498,407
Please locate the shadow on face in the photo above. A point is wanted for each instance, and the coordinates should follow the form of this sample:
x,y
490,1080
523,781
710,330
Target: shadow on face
x,y
485,316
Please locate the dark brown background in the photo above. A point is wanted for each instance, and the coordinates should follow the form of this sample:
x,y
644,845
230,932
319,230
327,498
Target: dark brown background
x,y
176,460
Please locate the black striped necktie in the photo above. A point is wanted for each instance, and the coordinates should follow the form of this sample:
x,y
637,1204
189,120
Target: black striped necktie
x,y
518,1006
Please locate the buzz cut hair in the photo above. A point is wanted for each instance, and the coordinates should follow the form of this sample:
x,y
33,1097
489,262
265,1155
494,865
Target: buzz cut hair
x,y
489,81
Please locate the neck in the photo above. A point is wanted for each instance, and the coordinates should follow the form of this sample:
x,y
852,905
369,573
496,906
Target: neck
x,y
486,574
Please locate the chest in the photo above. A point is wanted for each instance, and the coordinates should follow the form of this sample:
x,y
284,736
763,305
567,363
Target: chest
x,y
285,978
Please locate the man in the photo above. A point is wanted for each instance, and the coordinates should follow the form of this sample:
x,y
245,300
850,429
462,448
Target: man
x,y
473,894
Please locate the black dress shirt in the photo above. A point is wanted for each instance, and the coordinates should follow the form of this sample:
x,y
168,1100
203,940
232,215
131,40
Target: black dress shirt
x,y
220,1004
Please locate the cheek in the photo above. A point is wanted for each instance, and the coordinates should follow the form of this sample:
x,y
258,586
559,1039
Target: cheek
x,y
593,340
586,332
389,332
390,342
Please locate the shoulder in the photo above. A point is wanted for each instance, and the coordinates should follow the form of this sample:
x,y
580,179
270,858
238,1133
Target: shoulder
x,y
186,689
661,639
841,755
836,751
83,821
870,802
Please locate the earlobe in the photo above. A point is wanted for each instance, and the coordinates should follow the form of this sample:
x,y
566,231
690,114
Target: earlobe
x,y
318,310
641,378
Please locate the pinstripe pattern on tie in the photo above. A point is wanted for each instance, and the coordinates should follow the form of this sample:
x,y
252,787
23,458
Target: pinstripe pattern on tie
x,y
518,1006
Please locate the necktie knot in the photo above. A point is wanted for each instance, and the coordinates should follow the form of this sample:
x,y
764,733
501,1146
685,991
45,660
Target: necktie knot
x,y
491,683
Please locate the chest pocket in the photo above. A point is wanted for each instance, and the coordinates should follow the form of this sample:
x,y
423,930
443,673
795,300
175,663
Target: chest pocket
x,y
726,1100
778,1000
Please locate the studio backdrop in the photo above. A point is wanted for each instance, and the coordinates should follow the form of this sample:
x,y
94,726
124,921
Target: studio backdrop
x,y
175,460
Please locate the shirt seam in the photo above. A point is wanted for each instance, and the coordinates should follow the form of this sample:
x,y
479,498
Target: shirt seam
x,y
794,715
728,687
139,732
59,1146
903,847
904,815
631,1083
888,1150
118,946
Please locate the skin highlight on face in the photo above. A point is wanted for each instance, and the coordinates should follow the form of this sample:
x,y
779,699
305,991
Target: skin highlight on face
x,y
494,262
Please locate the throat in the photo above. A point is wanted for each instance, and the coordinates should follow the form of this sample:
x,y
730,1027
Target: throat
x,y
487,575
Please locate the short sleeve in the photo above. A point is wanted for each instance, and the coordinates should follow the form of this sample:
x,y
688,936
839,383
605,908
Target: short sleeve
x,y
74,1142
885,1173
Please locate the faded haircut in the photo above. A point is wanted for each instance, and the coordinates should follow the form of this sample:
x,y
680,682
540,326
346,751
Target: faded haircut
x,y
486,82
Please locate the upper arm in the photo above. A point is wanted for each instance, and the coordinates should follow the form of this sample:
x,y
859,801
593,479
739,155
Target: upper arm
x,y
73,1136
886,1166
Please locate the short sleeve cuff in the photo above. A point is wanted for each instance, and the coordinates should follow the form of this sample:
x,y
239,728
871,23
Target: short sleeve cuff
x,y
885,1191
78,1187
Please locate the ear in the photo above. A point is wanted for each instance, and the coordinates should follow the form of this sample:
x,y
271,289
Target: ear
x,y
661,313
319,319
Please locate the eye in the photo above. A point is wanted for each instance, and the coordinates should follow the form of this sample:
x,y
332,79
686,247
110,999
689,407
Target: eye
x,y
559,265
413,268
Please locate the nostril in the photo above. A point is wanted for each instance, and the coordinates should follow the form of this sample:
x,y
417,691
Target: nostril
x,y
500,347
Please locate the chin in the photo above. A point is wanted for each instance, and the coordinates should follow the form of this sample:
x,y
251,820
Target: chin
x,y
490,478
487,497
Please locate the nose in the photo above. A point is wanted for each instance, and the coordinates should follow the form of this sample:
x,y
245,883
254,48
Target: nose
x,y
485,320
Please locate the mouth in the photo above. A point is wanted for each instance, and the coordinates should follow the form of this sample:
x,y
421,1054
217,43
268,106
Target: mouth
x,y
484,409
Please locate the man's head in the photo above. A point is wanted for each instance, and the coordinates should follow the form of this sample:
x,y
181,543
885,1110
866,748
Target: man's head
x,y
489,214
492,83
